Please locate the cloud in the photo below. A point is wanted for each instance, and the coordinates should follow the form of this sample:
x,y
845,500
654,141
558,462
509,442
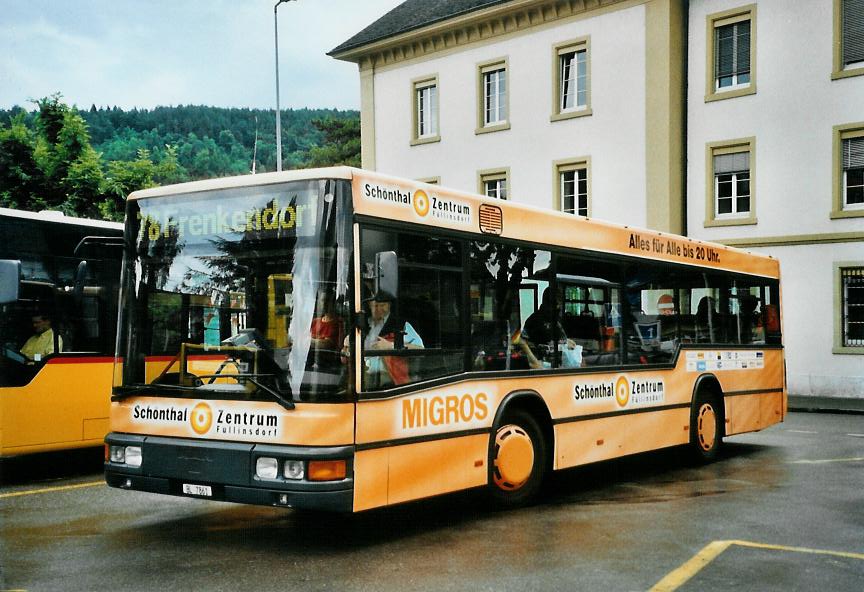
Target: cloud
x,y
160,52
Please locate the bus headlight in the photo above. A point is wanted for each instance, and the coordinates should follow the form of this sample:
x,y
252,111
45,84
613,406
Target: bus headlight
x,y
134,458
126,455
293,469
118,454
266,467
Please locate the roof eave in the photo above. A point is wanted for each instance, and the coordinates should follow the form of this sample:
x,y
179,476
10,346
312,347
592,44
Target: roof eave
x,y
527,12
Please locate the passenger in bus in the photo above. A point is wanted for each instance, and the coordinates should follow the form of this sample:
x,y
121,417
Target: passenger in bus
x,y
522,346
749,329
326,328
41,343
706,319
386,332
666,305
541,327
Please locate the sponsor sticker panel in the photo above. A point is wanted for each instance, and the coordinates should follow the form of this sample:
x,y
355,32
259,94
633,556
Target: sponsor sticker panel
x,y
626,391
203,419
712,361
422,204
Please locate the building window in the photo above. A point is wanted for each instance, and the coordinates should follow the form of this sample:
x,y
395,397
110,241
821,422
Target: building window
x,y
849,309
853,173
427,103
495,96
494,183
848,171
849,38
571,80
731,53
424,97
573,187
730,183
852,279
493,93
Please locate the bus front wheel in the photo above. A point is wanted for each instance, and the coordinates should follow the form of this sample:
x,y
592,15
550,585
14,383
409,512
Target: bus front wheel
x,y
517,462
706,427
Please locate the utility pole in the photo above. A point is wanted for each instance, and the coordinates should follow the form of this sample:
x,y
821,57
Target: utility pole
x,y
278,110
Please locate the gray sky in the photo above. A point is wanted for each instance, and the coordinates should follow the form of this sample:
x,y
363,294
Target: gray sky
x,y
144,53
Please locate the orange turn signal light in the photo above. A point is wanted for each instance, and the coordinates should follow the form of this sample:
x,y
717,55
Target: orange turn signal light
x,y
326,470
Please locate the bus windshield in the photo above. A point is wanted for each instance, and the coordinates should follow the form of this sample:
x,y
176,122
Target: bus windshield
x,y
238,293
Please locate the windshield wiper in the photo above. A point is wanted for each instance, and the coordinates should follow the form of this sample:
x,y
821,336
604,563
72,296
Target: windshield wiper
x,y
287,404
254,379
124,392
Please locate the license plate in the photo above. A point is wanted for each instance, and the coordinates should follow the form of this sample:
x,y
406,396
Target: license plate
x,y
204,490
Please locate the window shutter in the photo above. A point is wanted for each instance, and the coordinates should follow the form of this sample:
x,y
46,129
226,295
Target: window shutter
x,y
853,153
724,39
731,163
853,31
742,49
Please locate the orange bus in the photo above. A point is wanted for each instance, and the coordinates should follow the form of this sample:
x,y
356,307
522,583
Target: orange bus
x,y
344,340
59,279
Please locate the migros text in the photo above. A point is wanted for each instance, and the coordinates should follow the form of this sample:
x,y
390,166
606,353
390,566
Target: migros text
x,y
444,410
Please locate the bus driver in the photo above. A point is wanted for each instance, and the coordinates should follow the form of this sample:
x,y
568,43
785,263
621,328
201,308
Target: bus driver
x,y
383,334
42,342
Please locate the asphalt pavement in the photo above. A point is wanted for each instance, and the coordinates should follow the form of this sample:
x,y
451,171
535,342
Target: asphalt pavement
x,y
781,509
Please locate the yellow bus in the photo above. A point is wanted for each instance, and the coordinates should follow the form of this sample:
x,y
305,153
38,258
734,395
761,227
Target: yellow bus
x,y
344,340
59,279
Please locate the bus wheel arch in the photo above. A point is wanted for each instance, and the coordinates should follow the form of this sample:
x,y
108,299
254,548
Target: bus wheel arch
x,y
520,449
707,419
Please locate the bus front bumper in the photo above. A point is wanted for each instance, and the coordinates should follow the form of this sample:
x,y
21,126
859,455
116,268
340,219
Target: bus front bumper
x,y
227,471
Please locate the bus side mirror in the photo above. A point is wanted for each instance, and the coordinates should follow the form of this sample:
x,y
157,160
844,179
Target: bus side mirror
x,y
10,280
387,273
80,280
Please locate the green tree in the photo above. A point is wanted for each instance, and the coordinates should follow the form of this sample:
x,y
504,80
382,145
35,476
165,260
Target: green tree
x,y
124,177
341,143
73,175
21,179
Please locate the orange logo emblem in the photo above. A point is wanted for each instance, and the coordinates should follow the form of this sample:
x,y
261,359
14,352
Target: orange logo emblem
x,y
201,418
421,203
622,391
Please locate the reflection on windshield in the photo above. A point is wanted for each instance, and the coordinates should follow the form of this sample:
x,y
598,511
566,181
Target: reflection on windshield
x,y
231,291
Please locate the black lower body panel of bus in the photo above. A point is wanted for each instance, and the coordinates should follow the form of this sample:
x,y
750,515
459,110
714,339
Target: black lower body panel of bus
x,y
225,471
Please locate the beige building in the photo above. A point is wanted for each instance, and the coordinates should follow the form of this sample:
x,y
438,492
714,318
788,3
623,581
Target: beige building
x,y
690,117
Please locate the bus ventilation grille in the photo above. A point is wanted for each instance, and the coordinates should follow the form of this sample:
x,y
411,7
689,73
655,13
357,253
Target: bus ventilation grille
x,y
491,219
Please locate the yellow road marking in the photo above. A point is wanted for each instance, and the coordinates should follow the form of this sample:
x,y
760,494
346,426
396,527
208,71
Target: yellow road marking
x,y
827,460
799,550
52,489
676,579
680,576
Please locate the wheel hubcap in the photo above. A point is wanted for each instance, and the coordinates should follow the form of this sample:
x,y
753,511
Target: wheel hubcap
x,y
707,426
514,458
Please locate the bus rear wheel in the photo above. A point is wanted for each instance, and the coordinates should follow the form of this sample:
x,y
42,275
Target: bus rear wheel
x,y
517,460
706,427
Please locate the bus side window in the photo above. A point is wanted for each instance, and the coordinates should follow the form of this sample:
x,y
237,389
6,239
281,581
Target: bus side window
x,y
504,283
429,303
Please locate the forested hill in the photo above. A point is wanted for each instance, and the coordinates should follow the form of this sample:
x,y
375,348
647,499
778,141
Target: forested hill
x,y
85,162
210,141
